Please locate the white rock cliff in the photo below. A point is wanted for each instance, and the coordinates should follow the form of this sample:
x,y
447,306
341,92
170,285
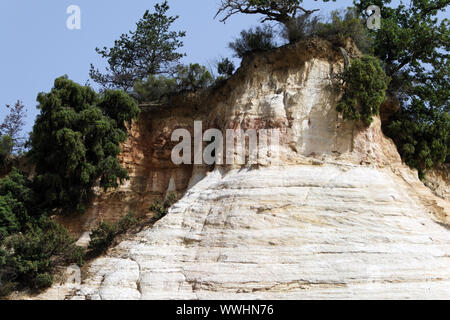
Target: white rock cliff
x,y
339,217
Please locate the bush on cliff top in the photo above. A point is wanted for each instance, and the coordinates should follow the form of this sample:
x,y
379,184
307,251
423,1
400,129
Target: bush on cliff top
x,y
253,40
365,85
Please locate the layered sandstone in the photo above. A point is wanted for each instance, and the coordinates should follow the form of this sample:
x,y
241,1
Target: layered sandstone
x,y
338,216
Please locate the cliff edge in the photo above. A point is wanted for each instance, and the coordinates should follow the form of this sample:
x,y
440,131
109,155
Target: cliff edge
x,y
339,215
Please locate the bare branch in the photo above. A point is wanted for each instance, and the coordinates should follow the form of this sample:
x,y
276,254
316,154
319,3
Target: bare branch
x,y
282,11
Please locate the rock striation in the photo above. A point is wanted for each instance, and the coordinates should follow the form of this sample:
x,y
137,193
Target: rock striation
x,y
338,216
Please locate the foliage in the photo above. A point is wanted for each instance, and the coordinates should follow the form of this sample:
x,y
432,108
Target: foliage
x,y
161,208
257,39
422,136
31,244
75,143
155,88
8,220
186,78
413,45
149,50
103,236
282,11
343,25
29,258
300,27
13,124
193,77
365,89
225,68
16,203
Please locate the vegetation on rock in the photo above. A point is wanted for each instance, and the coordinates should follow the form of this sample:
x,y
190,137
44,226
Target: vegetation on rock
x,y
365,89
161,208
413,45
75,143
12,126
150,50
31,244
103,236
254,39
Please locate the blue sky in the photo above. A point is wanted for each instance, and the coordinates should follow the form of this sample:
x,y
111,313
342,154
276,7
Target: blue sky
x,y
37,47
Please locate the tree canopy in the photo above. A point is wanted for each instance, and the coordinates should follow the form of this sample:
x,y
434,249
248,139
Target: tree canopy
x,y
254,39
413,45
75,142
13,124
365,89
149,50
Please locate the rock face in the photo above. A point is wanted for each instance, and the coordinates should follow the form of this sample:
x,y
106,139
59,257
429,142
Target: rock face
x,y
338,216
438,180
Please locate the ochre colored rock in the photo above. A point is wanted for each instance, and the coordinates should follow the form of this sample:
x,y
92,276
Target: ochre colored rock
x,y
338,217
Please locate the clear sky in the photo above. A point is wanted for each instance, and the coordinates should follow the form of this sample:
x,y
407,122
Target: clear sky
x,y
37,47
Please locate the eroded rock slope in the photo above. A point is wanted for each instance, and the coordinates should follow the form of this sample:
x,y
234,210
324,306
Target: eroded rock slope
x,y
339,216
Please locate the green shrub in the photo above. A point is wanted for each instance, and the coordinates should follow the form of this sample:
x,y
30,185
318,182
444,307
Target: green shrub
x,y
301,27
225,68
31,244
16,203
186,78
29,258
161,208
344,25
6,288
257,39
43,280
422,136
126,223
365,85
193,77
155,88
103,236
8,220
341,25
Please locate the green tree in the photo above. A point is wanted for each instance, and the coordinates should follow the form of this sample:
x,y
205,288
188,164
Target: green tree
x,y
31,244
193,77
365,86
13,124
8,220
155,88
343,25
30,257
149,50
18,198
225,68
301,27
75,143
413,45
